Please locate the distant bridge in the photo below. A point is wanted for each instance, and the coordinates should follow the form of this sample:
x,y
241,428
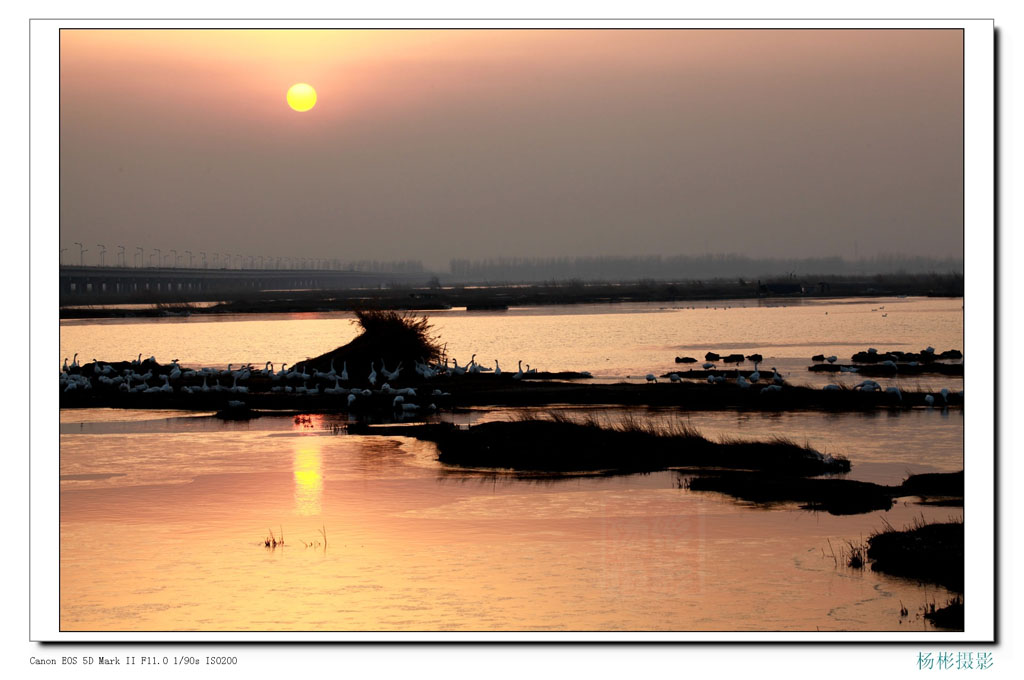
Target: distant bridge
x,y
112,285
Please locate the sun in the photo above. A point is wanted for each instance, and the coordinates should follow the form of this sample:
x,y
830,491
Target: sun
x,y
301,97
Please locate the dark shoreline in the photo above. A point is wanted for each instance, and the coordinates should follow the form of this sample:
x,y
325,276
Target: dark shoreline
x,y
491,298
490,390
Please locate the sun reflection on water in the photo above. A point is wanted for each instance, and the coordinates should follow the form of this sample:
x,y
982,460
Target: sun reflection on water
x,y
309,481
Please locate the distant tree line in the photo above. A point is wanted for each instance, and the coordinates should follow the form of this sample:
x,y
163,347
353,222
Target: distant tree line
x,y
397,267
687,267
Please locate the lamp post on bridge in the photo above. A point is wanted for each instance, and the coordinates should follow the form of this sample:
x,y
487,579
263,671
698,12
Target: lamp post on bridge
x,y
122,261
82,250
159,257
174,261
103,252
203,253
189,253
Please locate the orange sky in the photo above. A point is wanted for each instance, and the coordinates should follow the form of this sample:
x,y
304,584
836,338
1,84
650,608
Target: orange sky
x,y
433,144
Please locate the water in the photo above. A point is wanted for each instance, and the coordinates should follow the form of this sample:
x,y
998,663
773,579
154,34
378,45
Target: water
x,y
163,514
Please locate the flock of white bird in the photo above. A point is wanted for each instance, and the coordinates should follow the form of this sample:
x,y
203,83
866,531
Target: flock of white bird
x,y
133,380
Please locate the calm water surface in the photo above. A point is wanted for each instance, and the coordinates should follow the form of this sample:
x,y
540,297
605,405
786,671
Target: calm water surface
x,y
163,514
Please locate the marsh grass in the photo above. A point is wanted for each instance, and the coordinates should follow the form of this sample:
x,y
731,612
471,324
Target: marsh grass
x,y
387,335
559,442
931,552
949,616
271,541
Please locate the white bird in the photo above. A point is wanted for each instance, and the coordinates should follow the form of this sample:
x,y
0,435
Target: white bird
x,y
519,374
497,368
771,388
235,387
373,375
651,378
708,365
74,362
674,377
830,387
755,376
280,374
391,375
334,390
896,391
351,399
929,399
945,394
344,371
831,359
742,382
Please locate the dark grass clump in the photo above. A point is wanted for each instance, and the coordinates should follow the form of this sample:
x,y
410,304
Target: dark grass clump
x,y
932,553
950,617
857,555
560,444
388,337
834,496
937,485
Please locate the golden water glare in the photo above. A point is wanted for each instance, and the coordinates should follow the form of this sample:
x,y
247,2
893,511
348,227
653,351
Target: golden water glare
x,y
309,479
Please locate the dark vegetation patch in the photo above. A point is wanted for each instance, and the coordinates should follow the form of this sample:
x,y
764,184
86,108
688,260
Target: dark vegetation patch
x,y
884,370
940,488
389,338
932,553
557,444
950,617
835,496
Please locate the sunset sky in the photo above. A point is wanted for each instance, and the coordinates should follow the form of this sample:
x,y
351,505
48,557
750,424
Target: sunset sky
x,y
434,144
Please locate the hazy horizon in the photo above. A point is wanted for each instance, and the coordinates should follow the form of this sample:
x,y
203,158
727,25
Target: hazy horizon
x,y
474,144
